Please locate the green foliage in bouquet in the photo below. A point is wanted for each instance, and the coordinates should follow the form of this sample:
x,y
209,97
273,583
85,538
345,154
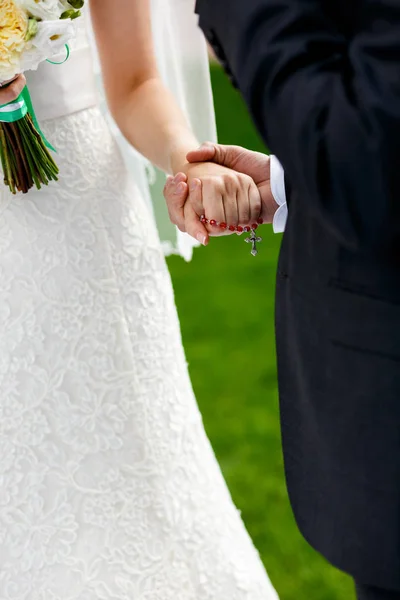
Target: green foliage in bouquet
x,y
75,12
25,158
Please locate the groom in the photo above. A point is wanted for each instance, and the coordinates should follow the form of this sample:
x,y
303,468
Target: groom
x,y
322,81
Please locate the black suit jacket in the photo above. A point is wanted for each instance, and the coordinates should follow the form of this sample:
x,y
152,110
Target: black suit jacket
x,y
322,81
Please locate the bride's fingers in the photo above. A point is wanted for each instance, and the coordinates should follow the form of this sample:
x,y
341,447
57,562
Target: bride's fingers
x,y
196,196
205,199
176,193
192,212
243,204
179,178
255,204
213,205
219,202
230,201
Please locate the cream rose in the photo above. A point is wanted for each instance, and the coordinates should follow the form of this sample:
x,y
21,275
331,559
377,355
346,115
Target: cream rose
x,y
13,29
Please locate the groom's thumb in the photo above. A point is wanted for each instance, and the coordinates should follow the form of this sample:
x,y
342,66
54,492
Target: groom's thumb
x,y
206,152
227,156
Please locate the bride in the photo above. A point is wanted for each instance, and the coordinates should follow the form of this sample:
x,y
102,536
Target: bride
x,y
109,487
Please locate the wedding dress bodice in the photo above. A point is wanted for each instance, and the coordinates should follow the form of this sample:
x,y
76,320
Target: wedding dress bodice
x,y
58,90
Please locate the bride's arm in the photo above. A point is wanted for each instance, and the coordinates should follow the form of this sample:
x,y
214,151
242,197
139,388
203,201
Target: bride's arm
x,y
152,122
144,109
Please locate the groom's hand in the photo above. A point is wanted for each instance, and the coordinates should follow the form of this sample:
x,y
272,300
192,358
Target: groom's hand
x,y
254,164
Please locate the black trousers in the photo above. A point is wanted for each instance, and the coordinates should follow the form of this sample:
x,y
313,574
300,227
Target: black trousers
x,y
365,592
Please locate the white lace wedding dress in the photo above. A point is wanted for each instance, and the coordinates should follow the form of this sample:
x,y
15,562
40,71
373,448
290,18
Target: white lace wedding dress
x,y
109,489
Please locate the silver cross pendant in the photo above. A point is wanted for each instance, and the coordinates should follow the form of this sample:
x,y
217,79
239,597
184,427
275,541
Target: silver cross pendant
x,y
253,240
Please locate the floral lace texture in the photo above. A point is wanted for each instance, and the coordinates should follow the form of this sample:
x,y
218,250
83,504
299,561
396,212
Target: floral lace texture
x,y
109,488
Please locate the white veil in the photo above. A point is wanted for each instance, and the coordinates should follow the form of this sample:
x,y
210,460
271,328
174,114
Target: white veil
x,y
183,63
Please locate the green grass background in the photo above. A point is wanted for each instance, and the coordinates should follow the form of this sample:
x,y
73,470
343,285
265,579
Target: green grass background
x,y
225,299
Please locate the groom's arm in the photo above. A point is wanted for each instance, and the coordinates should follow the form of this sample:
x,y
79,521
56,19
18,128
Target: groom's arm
x,y
326,104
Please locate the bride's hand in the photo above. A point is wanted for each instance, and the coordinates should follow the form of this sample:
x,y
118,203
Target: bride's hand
x,y
10,90
218,193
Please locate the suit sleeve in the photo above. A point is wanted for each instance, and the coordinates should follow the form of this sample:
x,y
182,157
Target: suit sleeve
x,y
327,105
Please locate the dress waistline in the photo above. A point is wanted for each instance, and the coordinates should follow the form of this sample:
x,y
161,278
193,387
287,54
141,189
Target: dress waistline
x,y
60,90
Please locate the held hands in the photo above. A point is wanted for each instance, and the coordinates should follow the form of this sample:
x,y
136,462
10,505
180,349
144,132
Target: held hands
x,y
205,188
235,190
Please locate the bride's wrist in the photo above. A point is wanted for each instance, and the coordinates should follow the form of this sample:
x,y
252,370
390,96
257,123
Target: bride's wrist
x,y
178,161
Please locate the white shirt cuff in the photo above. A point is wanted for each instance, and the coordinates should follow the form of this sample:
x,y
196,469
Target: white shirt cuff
x,y
279,193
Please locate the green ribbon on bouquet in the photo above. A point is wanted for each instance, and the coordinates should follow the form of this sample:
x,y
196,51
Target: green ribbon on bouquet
x,y
17,110
63,61
13,111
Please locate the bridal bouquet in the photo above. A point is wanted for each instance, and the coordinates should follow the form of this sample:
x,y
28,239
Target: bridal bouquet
x,y
31,31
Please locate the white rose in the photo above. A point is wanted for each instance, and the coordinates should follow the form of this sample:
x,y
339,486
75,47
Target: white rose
x,y
47,10
49,41
31,59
